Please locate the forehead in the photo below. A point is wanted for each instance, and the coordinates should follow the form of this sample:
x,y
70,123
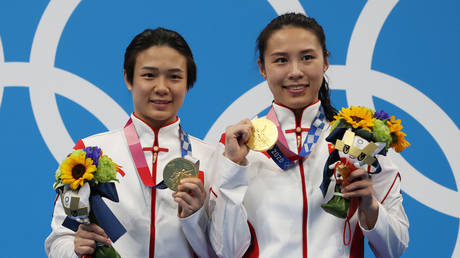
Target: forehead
x,y
161,57
291,39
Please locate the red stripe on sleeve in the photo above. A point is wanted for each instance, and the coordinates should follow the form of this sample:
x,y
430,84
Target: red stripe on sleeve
x,y
222,139
201,176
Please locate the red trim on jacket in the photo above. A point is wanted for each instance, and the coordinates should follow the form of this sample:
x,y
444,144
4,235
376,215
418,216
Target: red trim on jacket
x,y
80,145
201,176
253,249
153,201
391,187
304,210
145,122
303,109
302,178
212,191
154,175
357,244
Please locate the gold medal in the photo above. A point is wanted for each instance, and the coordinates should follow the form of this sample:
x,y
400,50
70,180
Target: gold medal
x,y
264,135
176,170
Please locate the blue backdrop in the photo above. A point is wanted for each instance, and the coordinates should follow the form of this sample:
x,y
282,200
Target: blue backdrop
x,y
61,80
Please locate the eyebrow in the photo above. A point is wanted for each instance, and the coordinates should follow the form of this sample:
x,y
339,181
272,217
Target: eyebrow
x,y
281,53
172,70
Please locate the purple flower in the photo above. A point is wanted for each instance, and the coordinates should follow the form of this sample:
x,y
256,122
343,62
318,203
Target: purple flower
x,y
382,115
94,153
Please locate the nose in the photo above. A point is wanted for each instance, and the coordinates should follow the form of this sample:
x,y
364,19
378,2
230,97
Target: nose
x,y
295,73
161,86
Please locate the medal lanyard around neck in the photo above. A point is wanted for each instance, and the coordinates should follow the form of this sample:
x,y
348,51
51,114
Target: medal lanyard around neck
x,y
138,154
281,153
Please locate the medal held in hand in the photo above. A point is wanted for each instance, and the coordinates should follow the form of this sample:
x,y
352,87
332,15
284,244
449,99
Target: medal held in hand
x,y
176,170
264,135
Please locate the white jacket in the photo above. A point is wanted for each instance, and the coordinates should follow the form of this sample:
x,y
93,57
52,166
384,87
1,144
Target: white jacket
x,y
172,237
283,207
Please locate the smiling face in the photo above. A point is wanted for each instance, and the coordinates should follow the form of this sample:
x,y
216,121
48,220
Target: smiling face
x,y
159,85
293,66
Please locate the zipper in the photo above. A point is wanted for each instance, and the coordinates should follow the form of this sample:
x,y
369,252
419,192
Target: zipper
x,y
304,193
154,195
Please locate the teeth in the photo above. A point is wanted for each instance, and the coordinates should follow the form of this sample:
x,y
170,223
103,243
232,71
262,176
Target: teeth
x,y
296,87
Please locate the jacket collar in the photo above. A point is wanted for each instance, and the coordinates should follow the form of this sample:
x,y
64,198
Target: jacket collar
x,y
147,134
287,119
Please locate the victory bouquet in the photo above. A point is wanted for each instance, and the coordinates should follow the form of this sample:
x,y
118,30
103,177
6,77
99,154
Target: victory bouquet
x,y
358,134
82,179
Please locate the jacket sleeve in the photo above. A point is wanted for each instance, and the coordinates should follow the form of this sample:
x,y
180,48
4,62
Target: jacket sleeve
x,y
229,231
390,235
60,243
195,230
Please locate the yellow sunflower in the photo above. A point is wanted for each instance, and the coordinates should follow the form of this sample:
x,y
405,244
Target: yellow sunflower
x,y
394,124
357,117
76,168
399,143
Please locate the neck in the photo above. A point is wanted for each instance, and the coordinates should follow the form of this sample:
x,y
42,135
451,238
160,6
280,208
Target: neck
x,y
155,125
298,114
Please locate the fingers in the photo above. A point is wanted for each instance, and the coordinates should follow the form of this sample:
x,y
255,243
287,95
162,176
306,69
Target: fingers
x,y
190,197
236,137
358,174
86,238
360,185
194,186
92,228
240,132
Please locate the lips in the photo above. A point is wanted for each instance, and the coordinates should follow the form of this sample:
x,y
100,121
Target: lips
x,y
160,101
296,87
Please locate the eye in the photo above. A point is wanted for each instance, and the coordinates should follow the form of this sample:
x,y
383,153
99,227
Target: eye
x,y
306,57
281,60
346,148
148,75
362,156
175,76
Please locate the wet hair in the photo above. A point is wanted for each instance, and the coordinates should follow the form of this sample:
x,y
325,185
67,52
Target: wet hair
x,y
159,37
301,21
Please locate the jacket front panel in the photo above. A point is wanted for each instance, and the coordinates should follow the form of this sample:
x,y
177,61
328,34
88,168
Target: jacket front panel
x,y
136,207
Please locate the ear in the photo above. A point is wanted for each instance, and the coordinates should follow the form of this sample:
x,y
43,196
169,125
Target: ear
x,y
261,68
326,64
129,85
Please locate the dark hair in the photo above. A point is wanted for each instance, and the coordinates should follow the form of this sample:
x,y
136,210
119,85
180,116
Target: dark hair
x,y
310,24
159,37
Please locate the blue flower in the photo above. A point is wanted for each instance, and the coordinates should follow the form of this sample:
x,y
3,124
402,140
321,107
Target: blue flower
x,y
94,153
382,115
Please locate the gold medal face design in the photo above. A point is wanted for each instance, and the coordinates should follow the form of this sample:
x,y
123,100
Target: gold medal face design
x,y
264,135
176,170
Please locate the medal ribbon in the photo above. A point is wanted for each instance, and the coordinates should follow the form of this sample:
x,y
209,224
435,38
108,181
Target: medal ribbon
x,y
138,154
281,154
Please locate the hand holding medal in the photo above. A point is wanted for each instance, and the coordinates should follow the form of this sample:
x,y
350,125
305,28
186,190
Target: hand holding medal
x,y
176,170
264,135
181,176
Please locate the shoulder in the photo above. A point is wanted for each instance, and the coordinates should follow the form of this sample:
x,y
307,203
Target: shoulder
x,y
101,138
198,144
